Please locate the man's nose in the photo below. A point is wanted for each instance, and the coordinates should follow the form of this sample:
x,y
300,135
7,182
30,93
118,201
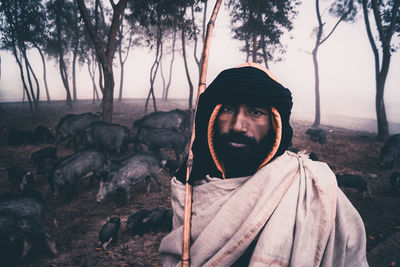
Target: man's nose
x,y
239,123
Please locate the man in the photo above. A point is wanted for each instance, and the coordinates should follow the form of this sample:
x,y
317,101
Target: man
x,y
281,208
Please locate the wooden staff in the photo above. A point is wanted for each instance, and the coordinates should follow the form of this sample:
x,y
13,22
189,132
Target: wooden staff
x,y
188,189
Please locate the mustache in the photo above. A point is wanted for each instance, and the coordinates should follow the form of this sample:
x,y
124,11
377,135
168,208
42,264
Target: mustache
x,y
236,137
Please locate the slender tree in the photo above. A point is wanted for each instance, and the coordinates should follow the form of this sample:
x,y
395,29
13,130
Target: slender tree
x,y
92,67
261,24
183,37
77,33
344,11
154,67
156,18
87,56
22,48
30,71
22,24
44,71
123,51
162,72
166,88
386,17
101,28
59,42
105,53
198,6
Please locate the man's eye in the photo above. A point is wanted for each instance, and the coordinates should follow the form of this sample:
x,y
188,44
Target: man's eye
x,y
256,112
226,108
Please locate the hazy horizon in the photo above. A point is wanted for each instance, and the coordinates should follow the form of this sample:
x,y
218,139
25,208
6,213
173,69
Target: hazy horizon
x,y
355,123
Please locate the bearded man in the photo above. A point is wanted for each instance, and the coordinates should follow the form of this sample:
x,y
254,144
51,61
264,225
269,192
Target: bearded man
x,y
254,203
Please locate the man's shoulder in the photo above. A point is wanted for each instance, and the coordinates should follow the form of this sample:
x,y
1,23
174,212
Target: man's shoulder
x,y
310,163
316,170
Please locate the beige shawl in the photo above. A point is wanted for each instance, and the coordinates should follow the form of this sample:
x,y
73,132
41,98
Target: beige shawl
x,y
292,203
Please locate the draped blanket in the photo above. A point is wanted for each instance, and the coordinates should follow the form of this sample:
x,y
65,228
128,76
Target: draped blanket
x,y
292,205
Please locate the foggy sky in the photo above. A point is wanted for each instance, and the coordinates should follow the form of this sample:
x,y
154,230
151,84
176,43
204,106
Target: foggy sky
x,y
346,65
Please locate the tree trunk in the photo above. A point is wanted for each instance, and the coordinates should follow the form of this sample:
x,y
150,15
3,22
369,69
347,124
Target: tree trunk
x,y
187,71
153,74
317,119
165,96
383,129
101,82
23,51
74,89
92,74
153,71
319,40
247,50
105,54
108,95
382,123
123,60
385,36
121,63
44,72
254,51
204,22
196,59
162,72
36,81
21,71
264,51
62,67
64,78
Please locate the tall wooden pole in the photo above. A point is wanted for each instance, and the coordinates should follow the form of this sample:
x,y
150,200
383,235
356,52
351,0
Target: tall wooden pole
x,y
188,190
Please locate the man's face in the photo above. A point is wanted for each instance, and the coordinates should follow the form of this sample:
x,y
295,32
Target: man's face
x,y
249,121
242,135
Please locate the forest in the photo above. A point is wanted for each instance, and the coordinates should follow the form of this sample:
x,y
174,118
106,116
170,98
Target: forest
x,y
100,35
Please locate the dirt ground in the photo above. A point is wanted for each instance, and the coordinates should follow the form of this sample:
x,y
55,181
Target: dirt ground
x,y
80,220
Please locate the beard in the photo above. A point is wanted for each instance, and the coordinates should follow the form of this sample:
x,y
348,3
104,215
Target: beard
x,y
243,160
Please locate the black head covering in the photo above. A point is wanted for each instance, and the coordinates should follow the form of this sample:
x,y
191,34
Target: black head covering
x,y
244,85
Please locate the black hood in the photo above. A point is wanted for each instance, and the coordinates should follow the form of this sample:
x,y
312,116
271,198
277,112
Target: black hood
x,y
244,85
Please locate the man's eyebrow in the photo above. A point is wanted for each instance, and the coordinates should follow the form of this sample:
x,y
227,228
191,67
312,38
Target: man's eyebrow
x,y
257,106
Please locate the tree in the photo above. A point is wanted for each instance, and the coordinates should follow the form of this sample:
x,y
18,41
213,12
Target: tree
x,y
191,33
92,66
87,51
386,18
77,34
167,86
183,37
123,48
22,24
198,6
61,34
39,49
157,18
345,11
261,24
155,66
105,52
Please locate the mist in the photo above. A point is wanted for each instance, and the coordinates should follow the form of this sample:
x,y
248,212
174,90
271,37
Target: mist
x,y
347,77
